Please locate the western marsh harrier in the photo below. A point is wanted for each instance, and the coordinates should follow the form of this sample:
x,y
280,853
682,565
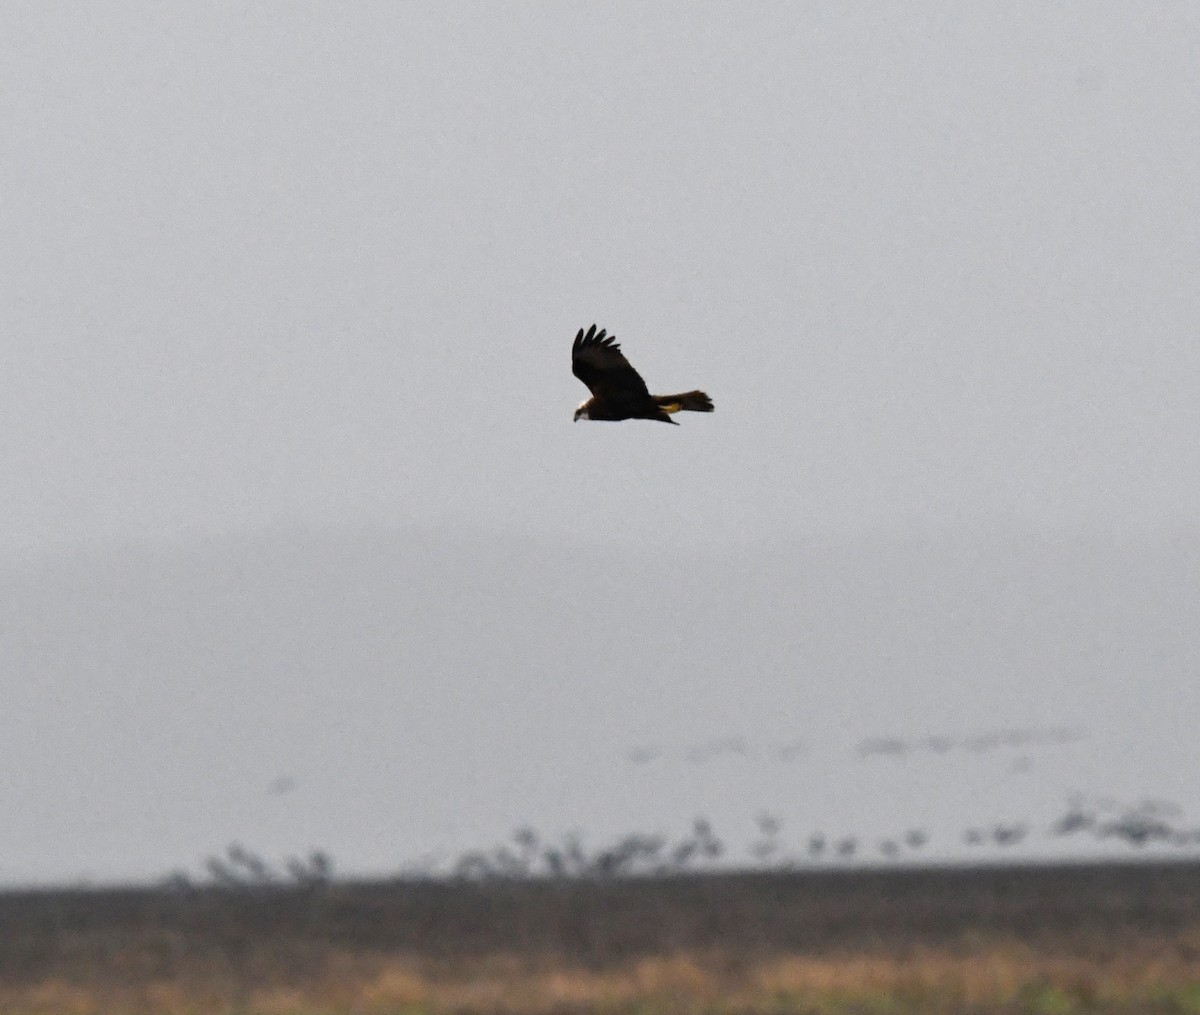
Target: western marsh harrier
x,y
618,391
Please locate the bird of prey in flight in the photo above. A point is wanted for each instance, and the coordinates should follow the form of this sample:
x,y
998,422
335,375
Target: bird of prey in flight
x,y
618,391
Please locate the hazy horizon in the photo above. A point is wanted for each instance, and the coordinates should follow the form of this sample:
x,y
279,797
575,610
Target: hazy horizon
x,y
939,685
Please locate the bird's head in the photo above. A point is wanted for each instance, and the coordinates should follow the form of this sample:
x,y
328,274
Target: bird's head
x,y
582,411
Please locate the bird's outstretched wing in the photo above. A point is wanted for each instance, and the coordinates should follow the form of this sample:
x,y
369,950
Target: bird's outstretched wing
x,y
597,360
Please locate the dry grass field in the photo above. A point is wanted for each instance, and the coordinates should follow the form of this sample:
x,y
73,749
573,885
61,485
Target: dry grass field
x,y
1097,938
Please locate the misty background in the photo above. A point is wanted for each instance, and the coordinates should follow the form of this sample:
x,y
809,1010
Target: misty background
x,y
300,548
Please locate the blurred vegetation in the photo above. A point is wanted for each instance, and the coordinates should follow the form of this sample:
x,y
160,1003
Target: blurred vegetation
x,y
644,924
527,855
1095,938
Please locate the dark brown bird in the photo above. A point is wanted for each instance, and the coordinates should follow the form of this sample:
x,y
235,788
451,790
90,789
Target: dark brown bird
x,y
618,391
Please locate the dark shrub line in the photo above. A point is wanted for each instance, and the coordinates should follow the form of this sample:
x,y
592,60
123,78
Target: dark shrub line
x,y
528,856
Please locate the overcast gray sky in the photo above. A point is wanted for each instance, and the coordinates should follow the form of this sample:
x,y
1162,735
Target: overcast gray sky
x,y
284,266
324,261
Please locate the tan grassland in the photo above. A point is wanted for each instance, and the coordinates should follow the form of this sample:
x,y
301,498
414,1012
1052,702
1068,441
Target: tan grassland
x,y
1103,938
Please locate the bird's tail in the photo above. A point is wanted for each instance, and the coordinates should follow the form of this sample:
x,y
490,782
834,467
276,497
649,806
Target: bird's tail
x,y
689,401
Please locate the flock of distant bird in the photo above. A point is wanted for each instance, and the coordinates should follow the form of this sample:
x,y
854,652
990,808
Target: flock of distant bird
x,y
704,751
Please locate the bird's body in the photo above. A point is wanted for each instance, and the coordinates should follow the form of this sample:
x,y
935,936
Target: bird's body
x,y
618,391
